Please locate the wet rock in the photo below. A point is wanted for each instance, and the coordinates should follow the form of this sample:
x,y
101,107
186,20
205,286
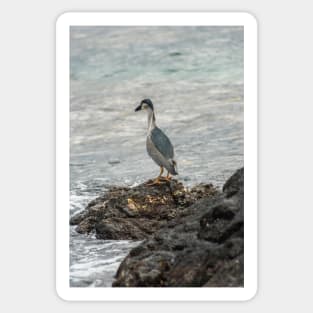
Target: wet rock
x,y
234,184
200,243
136,213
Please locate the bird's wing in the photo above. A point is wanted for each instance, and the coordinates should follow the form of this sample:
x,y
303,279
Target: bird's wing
x,y
162,143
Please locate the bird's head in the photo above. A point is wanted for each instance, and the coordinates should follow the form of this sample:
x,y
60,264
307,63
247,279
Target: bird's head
x,y
145,104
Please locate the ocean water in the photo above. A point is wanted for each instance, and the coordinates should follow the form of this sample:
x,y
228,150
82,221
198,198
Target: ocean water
x,y
193,75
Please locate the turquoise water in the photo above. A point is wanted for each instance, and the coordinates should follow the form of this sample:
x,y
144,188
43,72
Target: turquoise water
x,y
194,76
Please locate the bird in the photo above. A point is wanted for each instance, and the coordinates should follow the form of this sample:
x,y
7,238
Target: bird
x,y
159,146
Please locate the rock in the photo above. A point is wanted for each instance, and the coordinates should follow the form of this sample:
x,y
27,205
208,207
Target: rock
x,y
136,213
199,244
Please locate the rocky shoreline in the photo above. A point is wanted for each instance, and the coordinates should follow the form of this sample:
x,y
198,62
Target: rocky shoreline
x,y
190,237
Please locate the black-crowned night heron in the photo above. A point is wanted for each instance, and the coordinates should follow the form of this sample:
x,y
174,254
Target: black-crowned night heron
x,y
159,146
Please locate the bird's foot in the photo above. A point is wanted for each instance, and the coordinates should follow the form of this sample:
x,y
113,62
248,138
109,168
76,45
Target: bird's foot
x,y
157,181
166,178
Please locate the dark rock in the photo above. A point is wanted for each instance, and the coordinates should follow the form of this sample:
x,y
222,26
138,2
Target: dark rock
x,y
234,184
136,213
125,228
200,241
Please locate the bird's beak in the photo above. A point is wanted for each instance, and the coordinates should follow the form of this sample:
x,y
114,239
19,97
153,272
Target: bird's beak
x,y
138,108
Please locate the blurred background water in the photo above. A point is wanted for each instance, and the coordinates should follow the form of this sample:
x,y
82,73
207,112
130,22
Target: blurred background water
x,y
193,75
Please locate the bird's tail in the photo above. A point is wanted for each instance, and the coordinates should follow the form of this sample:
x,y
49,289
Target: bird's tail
x,y
173,168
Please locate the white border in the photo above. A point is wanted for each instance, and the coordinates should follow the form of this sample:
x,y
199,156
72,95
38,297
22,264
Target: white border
x,y
62,155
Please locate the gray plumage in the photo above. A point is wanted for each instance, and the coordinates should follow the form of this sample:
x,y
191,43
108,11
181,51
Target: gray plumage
x,y
159,147
161,150
162,143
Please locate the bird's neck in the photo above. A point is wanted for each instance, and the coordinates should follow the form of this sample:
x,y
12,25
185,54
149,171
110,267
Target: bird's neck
x,y
151,120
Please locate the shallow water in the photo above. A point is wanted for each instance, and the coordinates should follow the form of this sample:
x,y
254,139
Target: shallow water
x,y
194,76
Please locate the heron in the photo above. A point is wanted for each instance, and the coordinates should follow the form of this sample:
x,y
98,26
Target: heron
x,y
159,146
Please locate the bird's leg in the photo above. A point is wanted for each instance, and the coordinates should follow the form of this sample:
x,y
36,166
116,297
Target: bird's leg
x,y
161,172
158,179
168,177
